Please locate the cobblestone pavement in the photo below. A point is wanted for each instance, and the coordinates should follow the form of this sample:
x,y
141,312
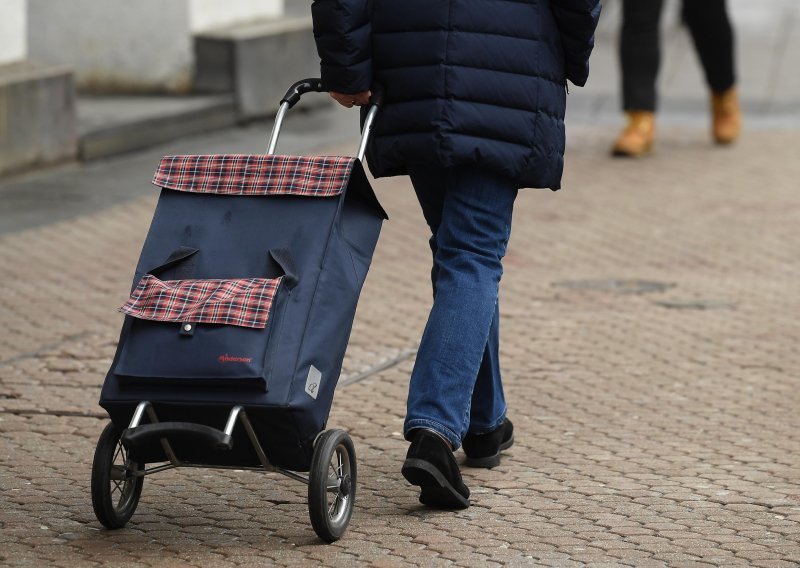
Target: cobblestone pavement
x,y
650,355
650,351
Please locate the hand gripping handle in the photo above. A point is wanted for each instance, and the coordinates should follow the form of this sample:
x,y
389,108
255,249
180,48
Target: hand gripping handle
x,y
313,85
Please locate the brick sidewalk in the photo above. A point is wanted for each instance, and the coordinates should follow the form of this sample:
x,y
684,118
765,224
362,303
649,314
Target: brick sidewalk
x,y
650,355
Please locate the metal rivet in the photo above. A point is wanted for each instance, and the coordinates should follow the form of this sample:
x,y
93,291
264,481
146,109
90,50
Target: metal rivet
x,y
187,327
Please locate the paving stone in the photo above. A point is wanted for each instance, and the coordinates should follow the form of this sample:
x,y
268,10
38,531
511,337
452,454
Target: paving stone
x,y
774,564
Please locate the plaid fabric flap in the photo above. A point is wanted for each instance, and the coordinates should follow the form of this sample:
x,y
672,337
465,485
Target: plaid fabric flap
x,y
243,302
242,174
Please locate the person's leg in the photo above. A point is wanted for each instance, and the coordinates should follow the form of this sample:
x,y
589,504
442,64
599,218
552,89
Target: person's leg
x,y
488,406
640,58
489,432
640,53
429,185
712,34
430,463
470,243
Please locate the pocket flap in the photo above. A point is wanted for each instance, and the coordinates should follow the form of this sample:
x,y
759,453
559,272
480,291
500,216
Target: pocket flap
x,y
242,302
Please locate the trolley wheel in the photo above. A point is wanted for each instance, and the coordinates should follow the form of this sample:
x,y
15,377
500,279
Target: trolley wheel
x,y
332,484
115,490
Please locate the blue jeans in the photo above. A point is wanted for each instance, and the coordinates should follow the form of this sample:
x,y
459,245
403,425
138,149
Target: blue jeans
x,y
456,385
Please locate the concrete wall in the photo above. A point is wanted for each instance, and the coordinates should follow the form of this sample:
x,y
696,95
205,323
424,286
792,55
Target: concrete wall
x,y
208,14
257,62
13,31
115,45
129,46
37,116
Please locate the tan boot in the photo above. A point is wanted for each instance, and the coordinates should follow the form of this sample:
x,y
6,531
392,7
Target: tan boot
x,y
727,116
636,139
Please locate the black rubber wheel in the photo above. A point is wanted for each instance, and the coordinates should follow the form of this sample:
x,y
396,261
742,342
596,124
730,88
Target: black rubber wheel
x,y
332,484
115,490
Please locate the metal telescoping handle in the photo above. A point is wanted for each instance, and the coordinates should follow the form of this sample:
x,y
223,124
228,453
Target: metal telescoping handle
x,y
375,103
296,91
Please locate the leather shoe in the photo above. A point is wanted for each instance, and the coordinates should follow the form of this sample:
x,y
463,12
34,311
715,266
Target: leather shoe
x,y
483,450
430,464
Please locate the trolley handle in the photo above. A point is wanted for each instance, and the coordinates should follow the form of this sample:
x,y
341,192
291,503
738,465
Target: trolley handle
x,y
292,96
314,85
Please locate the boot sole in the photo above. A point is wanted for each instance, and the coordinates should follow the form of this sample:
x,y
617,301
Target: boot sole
x,y
489,462
625,154
436,492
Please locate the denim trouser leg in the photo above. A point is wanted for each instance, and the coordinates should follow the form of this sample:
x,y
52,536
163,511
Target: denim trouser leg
x,y
488,405
488,408
469,213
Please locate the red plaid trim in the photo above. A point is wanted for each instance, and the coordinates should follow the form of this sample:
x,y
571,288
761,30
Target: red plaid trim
x,y
242,174
244,302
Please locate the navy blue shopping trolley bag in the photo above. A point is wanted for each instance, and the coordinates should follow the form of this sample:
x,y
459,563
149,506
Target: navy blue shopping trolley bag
x,y
237,323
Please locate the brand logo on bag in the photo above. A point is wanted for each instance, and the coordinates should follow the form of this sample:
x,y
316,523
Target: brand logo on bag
x,y
233,359
312,382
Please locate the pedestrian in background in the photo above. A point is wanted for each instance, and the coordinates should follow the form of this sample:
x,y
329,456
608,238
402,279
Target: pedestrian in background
x,y
640,57
474,111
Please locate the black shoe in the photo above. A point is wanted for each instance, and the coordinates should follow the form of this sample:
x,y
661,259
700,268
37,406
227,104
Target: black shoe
x,y
483,450
431,465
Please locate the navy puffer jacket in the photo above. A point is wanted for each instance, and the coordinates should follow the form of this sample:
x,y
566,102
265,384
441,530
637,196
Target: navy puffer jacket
x,y
469,82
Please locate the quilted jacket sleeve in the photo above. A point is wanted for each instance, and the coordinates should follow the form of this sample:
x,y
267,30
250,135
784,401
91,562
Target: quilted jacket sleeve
x,y
342,31
577,21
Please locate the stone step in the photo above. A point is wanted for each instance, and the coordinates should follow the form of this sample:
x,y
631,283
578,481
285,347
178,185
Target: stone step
x,y
242,71
113,124
257,62
37,116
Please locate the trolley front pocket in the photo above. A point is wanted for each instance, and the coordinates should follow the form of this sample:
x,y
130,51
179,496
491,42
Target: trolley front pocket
x,y
200,332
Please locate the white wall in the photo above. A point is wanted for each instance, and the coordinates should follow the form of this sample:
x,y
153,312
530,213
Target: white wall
x,y
131,45
207,14
13,31
115,44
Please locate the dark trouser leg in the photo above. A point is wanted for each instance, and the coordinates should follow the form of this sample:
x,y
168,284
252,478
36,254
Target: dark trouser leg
x,y
488,408
473,211
712,33
640,53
